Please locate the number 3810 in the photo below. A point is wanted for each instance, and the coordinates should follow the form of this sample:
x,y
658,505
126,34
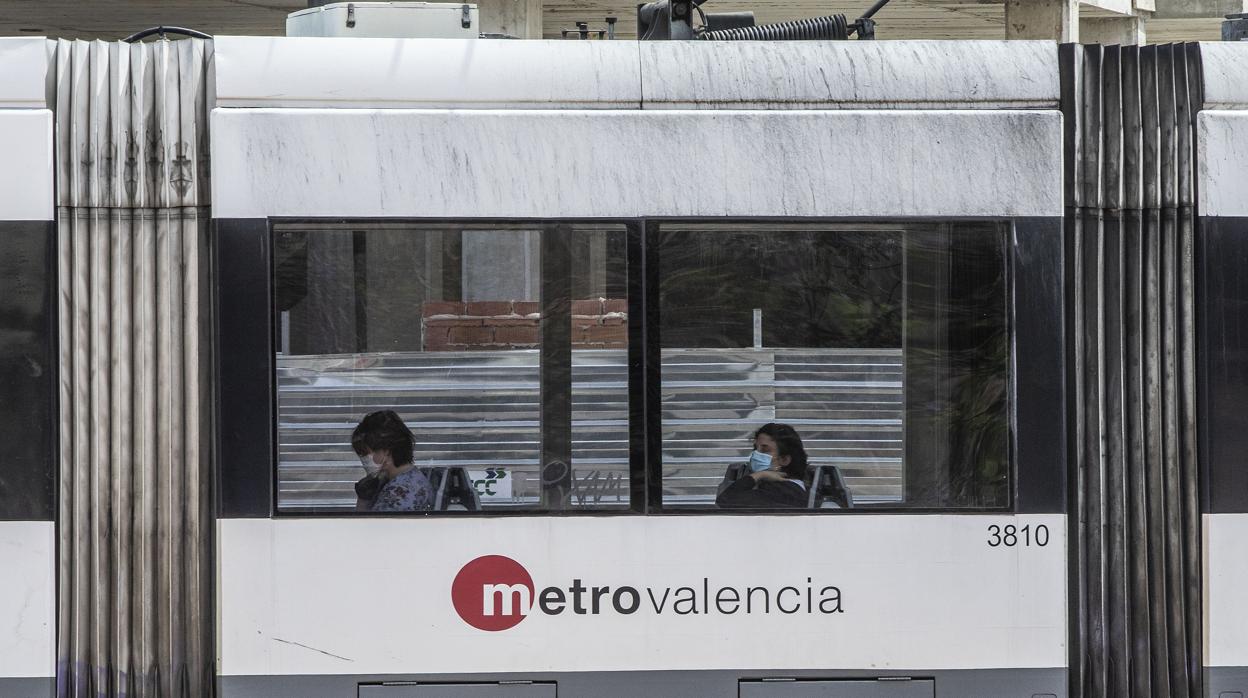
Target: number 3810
x,y
1009,536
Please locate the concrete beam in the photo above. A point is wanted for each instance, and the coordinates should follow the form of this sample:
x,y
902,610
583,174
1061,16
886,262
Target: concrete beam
x,y
1121,31
1056,20
1198,9
519,18
1116,7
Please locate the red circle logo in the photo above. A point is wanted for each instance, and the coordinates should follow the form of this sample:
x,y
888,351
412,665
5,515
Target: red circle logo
x,y
492,593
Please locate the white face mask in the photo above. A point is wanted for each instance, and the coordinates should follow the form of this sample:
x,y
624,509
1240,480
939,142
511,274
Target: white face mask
x,y
370,467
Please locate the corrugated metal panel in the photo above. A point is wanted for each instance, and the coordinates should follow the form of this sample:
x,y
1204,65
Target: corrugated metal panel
x,y
480,410
1135,519
134,599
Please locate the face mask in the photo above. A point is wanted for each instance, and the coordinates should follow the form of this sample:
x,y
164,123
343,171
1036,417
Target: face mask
x,y
759,461
369,466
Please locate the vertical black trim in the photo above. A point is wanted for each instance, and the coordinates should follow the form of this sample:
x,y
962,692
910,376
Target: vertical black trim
x,y
453,265
637,474
1223,352
1070,67
243,353
1037,296
28,370
359,276
556,367
654,368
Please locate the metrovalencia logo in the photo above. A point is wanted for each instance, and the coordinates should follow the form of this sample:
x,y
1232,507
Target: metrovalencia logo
x,y
494,592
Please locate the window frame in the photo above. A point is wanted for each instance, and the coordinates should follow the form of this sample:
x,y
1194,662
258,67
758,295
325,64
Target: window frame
x,y
554,234
1035,316
654,463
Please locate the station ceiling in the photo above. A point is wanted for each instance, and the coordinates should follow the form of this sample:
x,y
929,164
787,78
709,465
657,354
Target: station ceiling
x,y
900,19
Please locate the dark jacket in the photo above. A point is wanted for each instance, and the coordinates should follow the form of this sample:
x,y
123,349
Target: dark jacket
x,y
748,493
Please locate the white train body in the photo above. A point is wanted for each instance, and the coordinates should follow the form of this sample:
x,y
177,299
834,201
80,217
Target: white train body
x,y
893,597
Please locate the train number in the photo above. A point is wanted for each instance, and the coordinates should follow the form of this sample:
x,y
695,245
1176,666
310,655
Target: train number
x,y
1010,536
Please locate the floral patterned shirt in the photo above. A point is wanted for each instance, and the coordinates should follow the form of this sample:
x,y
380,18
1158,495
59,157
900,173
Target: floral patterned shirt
x,y
410,491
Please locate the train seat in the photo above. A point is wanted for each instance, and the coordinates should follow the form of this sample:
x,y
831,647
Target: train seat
x,y
826,486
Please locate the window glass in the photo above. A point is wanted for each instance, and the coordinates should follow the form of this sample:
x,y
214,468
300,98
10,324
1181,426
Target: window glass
x,y
883,351
443,326
599,368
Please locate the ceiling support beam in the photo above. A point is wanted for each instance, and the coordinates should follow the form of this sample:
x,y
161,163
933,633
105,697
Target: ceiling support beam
x,y
519,18
1198,9
1117,7
1121,31
1057,20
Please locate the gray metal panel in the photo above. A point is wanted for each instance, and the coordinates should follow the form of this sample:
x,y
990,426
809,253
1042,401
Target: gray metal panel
x,y
961,683
877,688
459,690
27,688
1226,681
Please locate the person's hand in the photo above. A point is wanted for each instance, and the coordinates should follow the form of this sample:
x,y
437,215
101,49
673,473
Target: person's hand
x,y
768,475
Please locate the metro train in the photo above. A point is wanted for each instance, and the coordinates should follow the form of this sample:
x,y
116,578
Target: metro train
x,y
995,287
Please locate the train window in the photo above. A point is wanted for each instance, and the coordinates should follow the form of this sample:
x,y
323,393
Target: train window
x,y
884,349
442,325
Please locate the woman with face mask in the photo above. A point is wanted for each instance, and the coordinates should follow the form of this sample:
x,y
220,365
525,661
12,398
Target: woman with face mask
x,y
778,473
391,482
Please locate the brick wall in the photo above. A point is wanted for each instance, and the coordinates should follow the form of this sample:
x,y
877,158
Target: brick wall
x,y
600,323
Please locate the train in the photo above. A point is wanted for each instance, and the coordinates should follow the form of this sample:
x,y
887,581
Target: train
x,y
994,286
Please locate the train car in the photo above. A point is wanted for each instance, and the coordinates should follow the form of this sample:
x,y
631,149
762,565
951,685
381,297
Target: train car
x,y
711,238
27,373
992,285
1222,128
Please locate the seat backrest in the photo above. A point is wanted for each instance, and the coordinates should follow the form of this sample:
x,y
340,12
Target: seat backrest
x,y
826,483
437,480
460,490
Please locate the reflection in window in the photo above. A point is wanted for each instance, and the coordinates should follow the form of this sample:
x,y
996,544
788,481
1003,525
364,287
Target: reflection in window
x,y
443,325
886,349
599,368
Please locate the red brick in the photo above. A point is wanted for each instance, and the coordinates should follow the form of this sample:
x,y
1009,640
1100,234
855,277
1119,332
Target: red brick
x,y
512,321
435,339
526,307
471,335
429,308
593,307
487,308
606,334
615,305
453,322
516,335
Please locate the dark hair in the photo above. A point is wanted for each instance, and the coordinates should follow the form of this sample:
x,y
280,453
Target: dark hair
x,y
788,443
383,430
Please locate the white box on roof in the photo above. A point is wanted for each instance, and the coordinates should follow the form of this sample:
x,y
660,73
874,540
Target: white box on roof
x,y
387,20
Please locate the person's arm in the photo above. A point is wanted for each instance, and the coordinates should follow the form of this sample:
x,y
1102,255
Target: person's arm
x,y
762,490
731,475
366,491
751,491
